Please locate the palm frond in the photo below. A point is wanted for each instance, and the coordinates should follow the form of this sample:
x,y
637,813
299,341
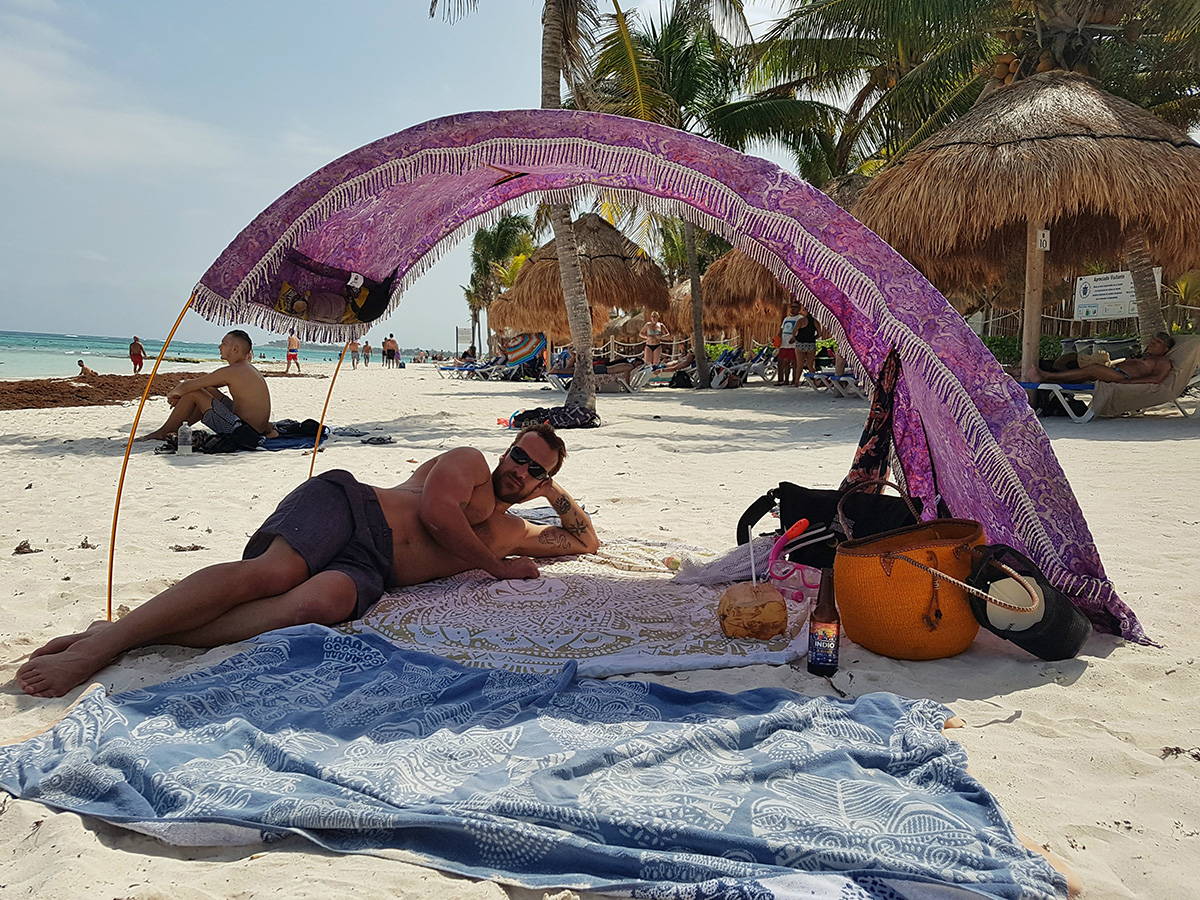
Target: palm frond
x,y
452,10
633,88
772,118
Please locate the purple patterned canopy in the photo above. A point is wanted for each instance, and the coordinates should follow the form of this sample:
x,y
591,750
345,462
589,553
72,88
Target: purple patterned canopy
x,y
337,251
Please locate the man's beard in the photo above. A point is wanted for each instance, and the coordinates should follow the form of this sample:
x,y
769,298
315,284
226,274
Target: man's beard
x,y
505,491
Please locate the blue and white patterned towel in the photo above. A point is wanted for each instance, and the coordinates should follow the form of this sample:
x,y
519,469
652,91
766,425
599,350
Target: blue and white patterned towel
x,y
539,780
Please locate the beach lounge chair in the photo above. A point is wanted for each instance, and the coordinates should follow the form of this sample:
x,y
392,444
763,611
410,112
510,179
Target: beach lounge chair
x,y
470,370
823,380
1110,399
634,381
729,365
517,358
764,365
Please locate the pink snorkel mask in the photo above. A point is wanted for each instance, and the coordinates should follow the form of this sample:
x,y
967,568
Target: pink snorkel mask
x,y
795,581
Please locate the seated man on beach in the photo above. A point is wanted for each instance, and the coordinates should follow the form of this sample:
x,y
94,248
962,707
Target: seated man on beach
x,y
331,548
201,400
85,371
1152,367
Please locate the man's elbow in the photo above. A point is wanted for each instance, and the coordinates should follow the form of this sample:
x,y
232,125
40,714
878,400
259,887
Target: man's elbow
x,y
589,542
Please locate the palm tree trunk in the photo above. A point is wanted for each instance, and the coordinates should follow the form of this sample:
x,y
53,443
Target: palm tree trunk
x,y
583,383
703,375
1145,287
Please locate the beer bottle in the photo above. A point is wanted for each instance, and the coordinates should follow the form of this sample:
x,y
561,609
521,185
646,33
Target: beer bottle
x,y
824,630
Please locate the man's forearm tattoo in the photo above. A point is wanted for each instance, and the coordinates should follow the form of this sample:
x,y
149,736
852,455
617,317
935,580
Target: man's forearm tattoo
x,y
575,528
556,537
562,505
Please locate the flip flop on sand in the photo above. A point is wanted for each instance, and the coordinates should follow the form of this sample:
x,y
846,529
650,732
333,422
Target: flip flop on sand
x,y
378,439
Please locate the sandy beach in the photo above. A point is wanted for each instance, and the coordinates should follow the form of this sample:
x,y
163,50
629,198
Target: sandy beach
x,y
1095,759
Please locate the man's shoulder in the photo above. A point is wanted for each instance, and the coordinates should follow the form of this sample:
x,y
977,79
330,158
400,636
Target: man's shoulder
x,y
464,456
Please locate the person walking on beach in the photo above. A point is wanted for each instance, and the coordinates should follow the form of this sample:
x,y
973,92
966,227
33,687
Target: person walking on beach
x,y
137,354
366,353
789,373
354,348
654,332
334,545
293,353
201,400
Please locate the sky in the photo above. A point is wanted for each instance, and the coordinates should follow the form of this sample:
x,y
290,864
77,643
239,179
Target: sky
x,y
140,136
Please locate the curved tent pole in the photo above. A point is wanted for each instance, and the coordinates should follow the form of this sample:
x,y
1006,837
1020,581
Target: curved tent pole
x,y
321,425
112,537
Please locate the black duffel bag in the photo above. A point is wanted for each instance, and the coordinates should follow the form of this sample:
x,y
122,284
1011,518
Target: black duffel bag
x,y
867,515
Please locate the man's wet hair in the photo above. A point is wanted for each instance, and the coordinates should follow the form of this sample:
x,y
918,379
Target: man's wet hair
x,y
546,432
243,337
1166,338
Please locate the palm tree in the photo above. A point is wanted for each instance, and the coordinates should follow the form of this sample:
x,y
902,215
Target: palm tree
x,y
567,29
917,64
493,249
678,70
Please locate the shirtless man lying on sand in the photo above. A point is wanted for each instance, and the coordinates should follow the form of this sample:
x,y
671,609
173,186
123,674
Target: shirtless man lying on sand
x,y
201,400
1152,367
331,548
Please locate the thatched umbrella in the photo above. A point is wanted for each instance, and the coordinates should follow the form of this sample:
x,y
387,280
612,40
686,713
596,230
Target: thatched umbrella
x,y
617,274
679,316
735,282
756,321
1055,152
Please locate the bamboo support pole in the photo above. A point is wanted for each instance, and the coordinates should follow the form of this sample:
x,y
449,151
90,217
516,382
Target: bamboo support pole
x,y
321,425
137,417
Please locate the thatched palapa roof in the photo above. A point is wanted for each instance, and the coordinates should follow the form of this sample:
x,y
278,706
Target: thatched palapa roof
x,y
617,274
736,283
1054,148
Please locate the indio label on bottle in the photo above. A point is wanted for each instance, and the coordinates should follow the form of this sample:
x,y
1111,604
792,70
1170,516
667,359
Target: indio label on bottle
x,y
823,643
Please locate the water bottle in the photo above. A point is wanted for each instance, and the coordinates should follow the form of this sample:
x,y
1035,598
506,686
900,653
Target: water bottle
x,y
824,630
183,439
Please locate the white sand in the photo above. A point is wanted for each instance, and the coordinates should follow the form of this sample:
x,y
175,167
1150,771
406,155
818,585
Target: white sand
x,y
1072,750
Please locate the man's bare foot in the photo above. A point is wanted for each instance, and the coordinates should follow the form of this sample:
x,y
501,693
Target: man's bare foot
x,y
62,643
54,674
152,436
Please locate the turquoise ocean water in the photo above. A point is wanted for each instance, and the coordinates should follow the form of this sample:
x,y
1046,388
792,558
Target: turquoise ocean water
x,y
26,354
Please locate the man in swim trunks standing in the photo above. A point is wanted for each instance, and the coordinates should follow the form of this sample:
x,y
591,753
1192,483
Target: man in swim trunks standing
x,y
201,400
137,354
293,353
331,548
1152,367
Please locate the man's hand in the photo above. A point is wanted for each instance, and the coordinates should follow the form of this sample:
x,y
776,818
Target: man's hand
x,y
517,567
173,396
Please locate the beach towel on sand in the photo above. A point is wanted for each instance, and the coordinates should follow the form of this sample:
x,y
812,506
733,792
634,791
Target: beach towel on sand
x,y
545,781
616,612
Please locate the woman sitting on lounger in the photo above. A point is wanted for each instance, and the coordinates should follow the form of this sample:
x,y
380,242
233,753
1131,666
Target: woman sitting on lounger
x,y
1152,367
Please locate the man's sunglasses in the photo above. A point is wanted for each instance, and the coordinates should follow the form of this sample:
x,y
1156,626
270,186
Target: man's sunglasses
x,y
521,458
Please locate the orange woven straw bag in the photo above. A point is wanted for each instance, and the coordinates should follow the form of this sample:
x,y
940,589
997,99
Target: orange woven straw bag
x,y
903,593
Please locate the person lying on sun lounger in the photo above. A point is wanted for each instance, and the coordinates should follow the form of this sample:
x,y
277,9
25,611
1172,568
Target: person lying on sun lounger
x,y
331,548
1152,367
201,400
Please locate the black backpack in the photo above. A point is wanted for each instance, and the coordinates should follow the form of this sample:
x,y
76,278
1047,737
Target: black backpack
x,y
680,379
867,514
